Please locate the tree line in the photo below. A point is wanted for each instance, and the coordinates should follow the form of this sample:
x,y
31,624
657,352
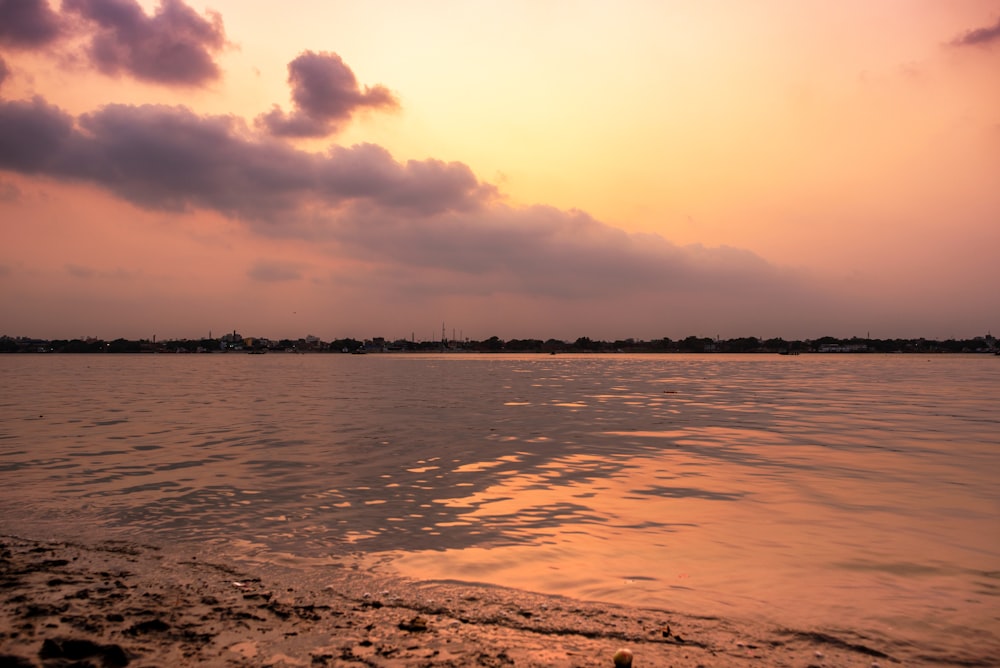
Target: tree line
x,y
691,344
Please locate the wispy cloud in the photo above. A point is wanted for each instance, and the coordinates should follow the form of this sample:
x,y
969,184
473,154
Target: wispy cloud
x,y
325,94
9,192
79,271
979,36
88,273
275,272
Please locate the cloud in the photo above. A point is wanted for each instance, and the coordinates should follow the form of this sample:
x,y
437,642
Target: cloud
x,y
9,192
546,252
979,36
79,271
174,46
325,94
367,172
4,71
88,273
426,222
34,136
275,272
170,158
28,24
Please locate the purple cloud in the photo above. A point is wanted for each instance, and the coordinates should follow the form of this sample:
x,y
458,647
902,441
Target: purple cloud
x,y
979,36
325,94
28,24
169,158
4,71
368,171
174,46
34,136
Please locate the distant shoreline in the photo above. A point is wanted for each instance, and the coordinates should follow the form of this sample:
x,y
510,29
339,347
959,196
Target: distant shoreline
x,y
235,343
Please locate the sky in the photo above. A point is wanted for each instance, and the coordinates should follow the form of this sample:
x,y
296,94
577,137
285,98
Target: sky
x,y
521,169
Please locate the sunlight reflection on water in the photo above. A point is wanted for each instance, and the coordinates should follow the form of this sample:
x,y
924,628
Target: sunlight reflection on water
x,y
832,489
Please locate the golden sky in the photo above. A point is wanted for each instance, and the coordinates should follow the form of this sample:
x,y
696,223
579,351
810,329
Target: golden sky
x,y
520,169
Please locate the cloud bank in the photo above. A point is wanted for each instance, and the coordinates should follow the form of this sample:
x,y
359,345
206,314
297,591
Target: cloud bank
x,y
419,215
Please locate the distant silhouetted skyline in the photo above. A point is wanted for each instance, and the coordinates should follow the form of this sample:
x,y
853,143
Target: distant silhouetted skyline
x,y
235,342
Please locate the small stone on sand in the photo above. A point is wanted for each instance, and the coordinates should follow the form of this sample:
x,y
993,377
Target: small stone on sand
x,y
623,658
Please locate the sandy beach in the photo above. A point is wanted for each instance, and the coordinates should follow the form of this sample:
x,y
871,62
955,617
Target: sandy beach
x,y
117,603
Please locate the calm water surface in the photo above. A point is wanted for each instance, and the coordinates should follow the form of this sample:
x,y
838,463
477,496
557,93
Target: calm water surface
x,y
828,491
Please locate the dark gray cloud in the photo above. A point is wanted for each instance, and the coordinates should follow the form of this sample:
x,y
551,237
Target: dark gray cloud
x,y
4,71
325,94
419,220
174,46
28,24
979,36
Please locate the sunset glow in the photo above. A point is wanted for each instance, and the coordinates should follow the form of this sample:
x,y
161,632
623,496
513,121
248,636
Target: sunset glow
x,y
543,169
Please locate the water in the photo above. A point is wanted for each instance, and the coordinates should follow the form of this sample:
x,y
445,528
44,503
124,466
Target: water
x,y
820,491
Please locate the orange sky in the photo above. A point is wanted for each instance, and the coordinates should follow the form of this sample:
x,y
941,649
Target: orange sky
x,y
519,169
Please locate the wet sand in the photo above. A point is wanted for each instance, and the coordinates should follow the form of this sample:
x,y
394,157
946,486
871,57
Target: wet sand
x,y
116,603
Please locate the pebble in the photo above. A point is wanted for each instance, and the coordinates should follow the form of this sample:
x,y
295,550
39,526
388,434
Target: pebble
x,y
623,658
